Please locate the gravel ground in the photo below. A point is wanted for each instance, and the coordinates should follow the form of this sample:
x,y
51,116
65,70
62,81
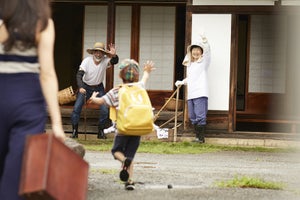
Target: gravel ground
x,y
194,176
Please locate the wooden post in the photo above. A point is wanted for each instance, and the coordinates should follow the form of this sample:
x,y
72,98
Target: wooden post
x,y
188,36
233,76
111,21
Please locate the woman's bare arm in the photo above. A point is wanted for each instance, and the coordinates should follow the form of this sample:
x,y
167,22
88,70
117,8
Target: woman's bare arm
x,y
48,77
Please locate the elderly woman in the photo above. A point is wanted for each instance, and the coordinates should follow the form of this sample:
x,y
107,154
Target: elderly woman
x,y
197,61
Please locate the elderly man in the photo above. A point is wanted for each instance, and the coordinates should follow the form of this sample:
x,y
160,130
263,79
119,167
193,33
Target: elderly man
x,y
90,76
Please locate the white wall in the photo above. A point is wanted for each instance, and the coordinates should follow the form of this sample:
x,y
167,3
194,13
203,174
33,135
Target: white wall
x,y
217,29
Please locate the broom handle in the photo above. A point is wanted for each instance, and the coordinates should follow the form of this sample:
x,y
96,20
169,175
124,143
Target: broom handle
x,y
176,111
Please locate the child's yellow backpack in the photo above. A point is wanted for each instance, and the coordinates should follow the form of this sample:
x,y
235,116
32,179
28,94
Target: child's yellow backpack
x,y
134,114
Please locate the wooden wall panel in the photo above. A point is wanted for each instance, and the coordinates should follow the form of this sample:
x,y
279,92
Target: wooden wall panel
x,y
265,103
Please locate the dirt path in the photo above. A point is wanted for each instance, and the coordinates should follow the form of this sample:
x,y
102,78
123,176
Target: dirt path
x,y
194,176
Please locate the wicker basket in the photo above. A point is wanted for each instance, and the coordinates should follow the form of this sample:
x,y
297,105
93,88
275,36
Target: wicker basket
x,y
172,104
66,96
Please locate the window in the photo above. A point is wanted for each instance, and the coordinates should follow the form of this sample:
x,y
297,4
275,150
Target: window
x,y
267,54
157,43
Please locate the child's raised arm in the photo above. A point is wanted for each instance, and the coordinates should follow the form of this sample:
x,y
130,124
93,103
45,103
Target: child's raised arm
x,y
148,68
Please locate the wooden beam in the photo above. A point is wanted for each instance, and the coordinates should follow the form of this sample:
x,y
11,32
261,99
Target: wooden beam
x,y
188,39
233,9
233,73
125,1
135,32
111,22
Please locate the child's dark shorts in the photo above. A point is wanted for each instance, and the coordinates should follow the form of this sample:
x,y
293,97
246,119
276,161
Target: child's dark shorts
x,y
128,145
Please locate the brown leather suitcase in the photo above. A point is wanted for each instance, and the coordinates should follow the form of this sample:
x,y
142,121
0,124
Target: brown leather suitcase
x,y
51,170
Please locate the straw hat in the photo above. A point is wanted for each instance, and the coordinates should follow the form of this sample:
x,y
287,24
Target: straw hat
x,y
97,46
200,43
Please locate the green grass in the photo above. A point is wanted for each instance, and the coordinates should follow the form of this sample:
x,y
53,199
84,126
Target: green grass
x,y
250,182
160,147
176,148
96,145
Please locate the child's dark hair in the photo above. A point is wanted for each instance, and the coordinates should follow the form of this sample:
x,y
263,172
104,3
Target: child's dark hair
x,y
129,71
196,46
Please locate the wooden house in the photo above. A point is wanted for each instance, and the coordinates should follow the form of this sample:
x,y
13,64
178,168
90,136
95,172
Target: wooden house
x,y
253,76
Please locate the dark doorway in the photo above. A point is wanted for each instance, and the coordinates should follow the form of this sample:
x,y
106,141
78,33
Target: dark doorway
x,y
180,45
68,19
242,62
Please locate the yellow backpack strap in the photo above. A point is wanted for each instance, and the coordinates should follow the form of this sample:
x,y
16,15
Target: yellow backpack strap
x,y
113,110
113,113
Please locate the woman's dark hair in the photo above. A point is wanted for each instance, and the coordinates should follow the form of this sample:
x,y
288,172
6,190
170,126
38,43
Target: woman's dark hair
x,y
23,19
